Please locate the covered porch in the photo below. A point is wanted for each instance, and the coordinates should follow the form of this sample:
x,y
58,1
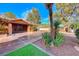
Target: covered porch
x,y
18,26
15,26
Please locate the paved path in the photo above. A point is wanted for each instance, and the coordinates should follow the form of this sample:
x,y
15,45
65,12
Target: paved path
x,y
5,38
19,42
67,49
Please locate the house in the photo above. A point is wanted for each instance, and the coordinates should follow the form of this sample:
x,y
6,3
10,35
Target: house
x,y
15,25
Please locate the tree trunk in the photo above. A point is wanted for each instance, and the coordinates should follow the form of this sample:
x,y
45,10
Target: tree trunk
x,y
51,22
55,33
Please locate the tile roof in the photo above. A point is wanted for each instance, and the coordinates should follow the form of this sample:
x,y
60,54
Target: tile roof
x,y
16,21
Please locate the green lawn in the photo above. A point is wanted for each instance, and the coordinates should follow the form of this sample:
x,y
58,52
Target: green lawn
x,y
28,50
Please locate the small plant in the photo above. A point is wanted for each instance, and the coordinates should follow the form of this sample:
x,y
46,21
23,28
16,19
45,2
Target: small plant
x,y
47,39
56,25
77,33
58,40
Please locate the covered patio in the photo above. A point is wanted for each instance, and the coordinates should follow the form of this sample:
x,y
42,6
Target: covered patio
x,y
15,26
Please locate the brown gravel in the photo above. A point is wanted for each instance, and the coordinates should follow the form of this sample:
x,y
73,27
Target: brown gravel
x,y
66,49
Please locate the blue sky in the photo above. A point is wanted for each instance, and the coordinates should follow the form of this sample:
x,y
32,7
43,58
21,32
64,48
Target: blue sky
x,y
21,9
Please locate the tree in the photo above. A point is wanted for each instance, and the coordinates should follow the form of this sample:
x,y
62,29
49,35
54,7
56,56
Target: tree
x,y
30,17
49,7
67,10
9,15
56,26
58,20
61,17
34,16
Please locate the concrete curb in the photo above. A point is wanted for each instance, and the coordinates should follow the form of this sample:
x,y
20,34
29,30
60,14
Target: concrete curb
x,y
42,49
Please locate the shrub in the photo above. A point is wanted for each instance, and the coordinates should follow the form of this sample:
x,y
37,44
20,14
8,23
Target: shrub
x,y
74,25
47,38
58,40
77,33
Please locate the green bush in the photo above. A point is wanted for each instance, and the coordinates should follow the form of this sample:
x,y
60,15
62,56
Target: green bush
x,y
74,25
77,33
47,38
58,40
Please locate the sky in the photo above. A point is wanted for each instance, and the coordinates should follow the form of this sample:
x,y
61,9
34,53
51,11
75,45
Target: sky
x,y
21,9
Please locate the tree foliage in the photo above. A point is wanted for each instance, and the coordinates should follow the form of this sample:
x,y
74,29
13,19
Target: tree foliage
x,y
10,15
68,9
66,12
34,16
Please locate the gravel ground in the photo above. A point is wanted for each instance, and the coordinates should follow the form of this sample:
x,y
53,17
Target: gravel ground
x,y
67,48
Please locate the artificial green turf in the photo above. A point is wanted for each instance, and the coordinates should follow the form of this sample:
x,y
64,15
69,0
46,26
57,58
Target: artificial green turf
x,y
28,50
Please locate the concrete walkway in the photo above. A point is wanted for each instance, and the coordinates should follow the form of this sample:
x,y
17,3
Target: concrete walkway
x,y
19,40
5,38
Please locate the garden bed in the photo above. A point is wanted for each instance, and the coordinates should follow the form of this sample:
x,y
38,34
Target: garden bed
x,y
66,49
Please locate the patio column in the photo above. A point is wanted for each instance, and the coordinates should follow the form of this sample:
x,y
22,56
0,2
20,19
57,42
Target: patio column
x,y
28,28
9,28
